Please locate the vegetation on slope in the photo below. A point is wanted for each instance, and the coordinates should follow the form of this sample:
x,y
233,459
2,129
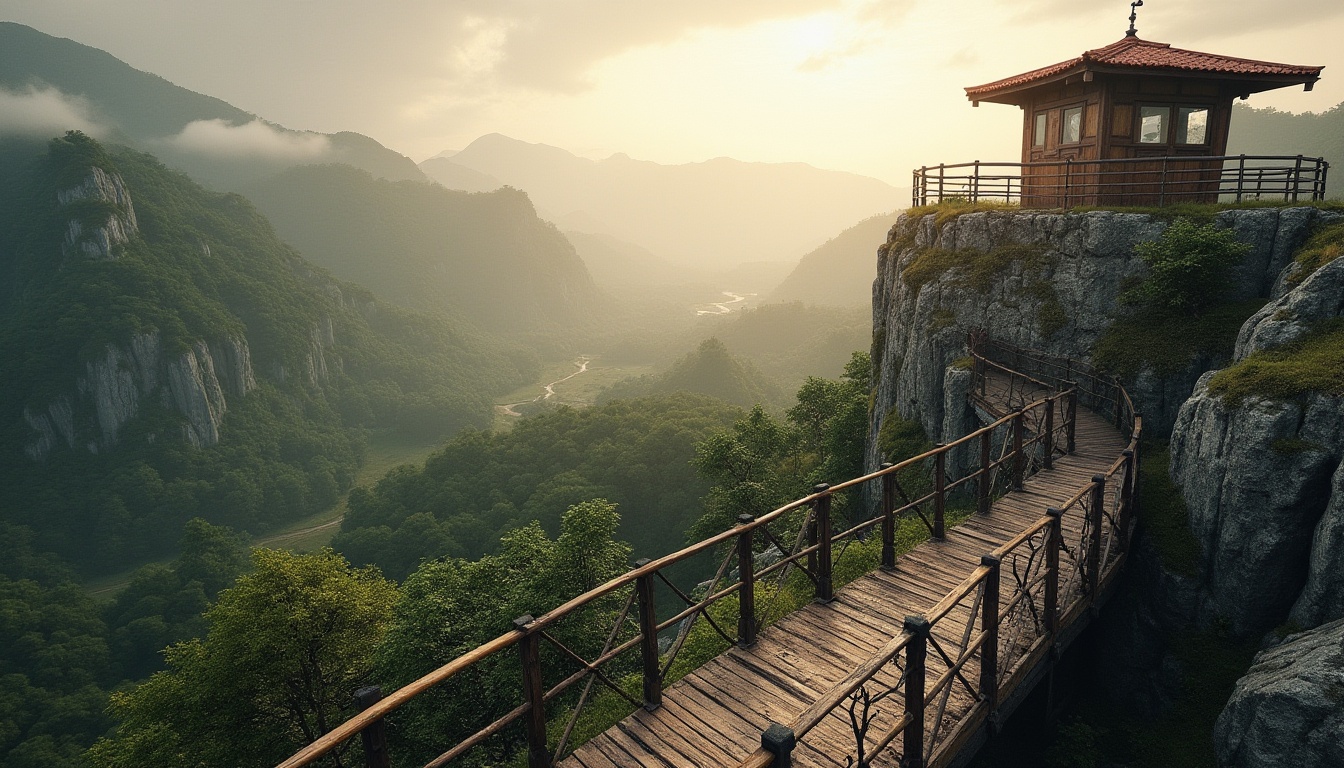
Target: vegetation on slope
x,y
1313,363
841,271
709,370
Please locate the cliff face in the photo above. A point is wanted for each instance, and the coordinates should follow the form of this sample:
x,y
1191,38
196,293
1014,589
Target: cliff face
x,y
1264,482
1047,281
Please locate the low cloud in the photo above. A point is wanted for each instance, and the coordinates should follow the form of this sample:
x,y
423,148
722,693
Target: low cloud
x,y
44,112
254,139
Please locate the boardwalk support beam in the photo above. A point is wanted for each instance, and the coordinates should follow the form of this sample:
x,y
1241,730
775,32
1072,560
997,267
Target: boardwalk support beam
x,y
825,585
534,695
916,653
1098,519
1054,540
375,735
989,624
648,639
746,569
1071,417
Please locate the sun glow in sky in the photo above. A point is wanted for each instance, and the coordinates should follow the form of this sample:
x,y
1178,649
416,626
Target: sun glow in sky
x,y
869,86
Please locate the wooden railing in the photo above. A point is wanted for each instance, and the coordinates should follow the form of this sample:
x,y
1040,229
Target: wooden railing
x,y
1051,580
1126,181
759,554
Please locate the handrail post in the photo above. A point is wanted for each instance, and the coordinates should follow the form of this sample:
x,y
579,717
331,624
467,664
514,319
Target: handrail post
x,y
534,695
888,519
1119,402
1162,185
1054,540
1297,177
746,573
1241,177
1136,492
1048,439
916,653
983,485
1071,417
939,491
779,741
989,624
1019,461
825,589
1098,515
975,183
1068,181
1127,496
648,639
374,734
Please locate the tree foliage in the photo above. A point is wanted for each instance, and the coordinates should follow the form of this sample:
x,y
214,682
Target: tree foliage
x,y
285,648
1191,268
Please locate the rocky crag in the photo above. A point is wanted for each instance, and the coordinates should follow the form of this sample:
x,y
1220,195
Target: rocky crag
x,y
1262,478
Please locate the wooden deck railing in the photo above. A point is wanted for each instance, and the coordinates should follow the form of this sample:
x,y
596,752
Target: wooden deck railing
x,y
797,537
1126,181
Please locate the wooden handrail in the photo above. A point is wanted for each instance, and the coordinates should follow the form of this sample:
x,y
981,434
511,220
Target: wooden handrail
x,y
646,569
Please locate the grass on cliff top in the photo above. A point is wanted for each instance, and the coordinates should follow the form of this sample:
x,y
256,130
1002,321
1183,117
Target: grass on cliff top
x,y
975,269
1314,363
1204,212
1325,245
1167,341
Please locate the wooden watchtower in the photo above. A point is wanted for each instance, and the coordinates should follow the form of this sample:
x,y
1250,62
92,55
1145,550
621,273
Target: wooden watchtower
x,y
1164,110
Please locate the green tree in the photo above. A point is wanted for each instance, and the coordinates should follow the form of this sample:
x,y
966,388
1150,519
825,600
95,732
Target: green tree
x,y
286,647
450,606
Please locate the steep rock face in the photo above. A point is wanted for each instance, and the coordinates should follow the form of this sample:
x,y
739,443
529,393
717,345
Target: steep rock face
x,y
104,226
1264,483
1288,710
116,386
1055,288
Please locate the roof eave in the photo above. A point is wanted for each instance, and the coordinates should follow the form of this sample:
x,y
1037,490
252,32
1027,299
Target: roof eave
x,y
1249,83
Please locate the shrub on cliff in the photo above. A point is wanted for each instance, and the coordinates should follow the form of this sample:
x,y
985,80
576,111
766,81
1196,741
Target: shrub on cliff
x,y
1192,267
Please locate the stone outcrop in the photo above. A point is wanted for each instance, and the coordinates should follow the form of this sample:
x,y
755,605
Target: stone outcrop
x,y
1056,289
95,233
1264,483
116,386
1288,710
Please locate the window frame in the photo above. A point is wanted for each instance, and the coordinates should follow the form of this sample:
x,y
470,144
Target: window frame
x,y
1040,129
1208,125
1168,133
1064,124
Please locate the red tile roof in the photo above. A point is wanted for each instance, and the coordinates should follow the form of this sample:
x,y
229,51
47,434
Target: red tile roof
x,y
1144,54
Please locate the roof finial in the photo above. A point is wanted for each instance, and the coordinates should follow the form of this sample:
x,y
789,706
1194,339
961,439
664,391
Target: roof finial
x,y
1133,17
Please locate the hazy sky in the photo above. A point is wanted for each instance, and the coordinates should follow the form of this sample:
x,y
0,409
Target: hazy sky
x,y
870,86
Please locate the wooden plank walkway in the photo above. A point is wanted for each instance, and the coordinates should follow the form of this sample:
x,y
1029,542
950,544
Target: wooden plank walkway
x,y
714,716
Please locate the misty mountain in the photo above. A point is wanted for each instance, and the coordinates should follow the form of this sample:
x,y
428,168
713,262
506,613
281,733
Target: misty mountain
x,y
617,264
486,256
214,141
709,370
710,214
168,357
841,272
453,176
1271,132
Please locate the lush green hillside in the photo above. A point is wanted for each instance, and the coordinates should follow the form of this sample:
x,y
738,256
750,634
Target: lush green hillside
x,y
148,111
841,272
1271,132
709,370
635,453
484,255
200,367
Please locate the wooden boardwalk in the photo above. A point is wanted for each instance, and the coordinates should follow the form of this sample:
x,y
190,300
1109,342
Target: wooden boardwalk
x,y
715,716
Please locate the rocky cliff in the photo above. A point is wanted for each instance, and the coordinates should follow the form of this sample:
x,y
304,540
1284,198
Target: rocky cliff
x,y
1049,281
1263,479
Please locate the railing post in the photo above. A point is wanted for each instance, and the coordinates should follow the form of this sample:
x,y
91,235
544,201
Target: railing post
x,y
746,573
1162,185
975,183
1119,401
534,693
1127,496
779,741
1054,540
941,171
1019,460
1136,492
1048,439
1071,417
648,639
825,590
1297,177
1241,177
939,490
915,655
1068,181
888,519
982,491
989,624
374,735
1097,512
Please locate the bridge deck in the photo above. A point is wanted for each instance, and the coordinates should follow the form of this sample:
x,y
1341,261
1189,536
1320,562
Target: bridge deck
x,y
714,716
